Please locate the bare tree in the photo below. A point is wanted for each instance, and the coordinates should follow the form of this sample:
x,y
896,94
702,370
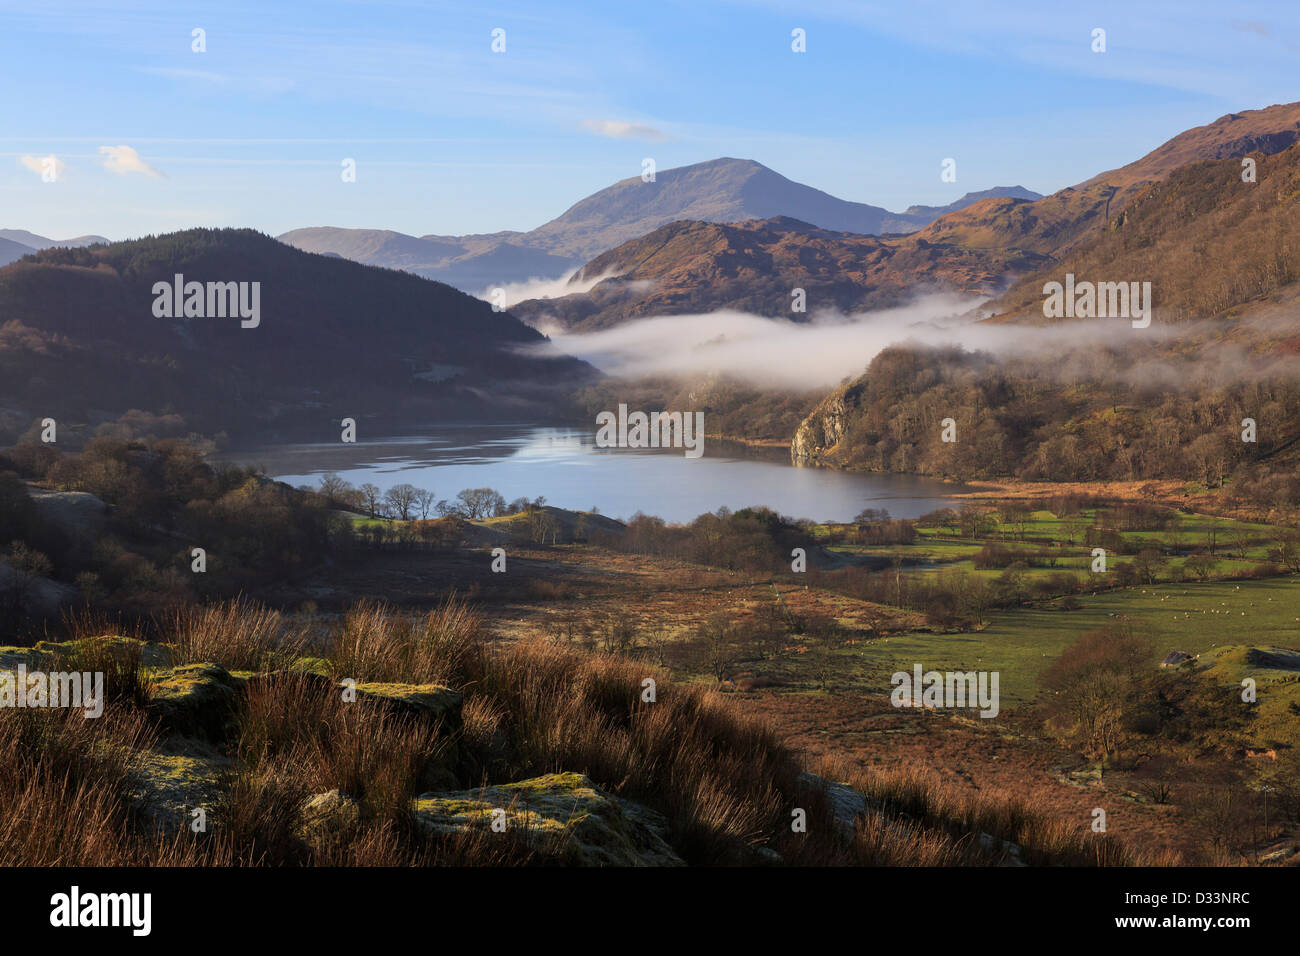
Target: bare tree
x,y
400,500
371,495
424,502
481,502
333,487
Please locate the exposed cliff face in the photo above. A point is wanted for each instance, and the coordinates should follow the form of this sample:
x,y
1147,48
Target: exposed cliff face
x,y
816,440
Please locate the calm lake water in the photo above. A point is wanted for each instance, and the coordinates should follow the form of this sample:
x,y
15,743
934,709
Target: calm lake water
x,y
564,466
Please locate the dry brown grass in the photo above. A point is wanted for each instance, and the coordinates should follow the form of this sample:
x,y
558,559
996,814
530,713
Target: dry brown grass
x,y
688,753
724,780
300,729
238,635
923,796
377,644
63,786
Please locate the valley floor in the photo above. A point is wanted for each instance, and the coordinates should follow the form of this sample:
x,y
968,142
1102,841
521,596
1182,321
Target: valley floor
x,y
827,690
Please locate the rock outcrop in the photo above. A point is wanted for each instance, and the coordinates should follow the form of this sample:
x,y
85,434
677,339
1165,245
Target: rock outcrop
x,y
196,700
817,438
562,816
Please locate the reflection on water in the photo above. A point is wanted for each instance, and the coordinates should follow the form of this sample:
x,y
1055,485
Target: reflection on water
x,y
564,466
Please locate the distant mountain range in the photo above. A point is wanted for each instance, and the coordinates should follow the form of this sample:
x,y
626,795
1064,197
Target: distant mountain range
x,y
697,267
721,190
982,246
16,243
82,341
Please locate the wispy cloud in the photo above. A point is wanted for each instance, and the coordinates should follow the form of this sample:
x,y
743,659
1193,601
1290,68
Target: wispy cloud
x,y
616,129
41,164
184,74
1252,26
541,287
123,160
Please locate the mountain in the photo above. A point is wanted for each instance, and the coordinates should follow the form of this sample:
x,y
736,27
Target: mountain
x,y
40,242
1209,243
10,251
1055,223
1222,256
980,244
80,342
931,213
696,267
1269,130
470,263
721,190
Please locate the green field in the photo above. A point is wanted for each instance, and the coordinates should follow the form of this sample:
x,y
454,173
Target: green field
x,y
1020,643
1061,541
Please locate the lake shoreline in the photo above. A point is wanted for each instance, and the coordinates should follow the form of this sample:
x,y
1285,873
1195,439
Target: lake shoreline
x,y
562,465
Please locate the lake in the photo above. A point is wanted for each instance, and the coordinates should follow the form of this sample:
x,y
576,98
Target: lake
x,y
565,466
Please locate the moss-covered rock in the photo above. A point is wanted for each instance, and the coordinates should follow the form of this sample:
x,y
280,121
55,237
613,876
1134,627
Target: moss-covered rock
x,y
317,666
430,702
846,805
196,700
11,657
328,819
176,777
563,817
46,653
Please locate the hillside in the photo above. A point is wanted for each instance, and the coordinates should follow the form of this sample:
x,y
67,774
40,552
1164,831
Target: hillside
x,y
80,341
1045,226
976,245
697,267
11,251
721,190
234,713
1212,246
931,213
1055,223
1220,255
1268,130
470,263
33,241
1208,242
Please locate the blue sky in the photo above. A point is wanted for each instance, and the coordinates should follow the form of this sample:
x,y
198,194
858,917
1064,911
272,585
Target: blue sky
x,y
450,137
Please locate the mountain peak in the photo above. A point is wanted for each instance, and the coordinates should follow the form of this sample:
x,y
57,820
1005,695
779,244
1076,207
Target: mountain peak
x,y
1269,130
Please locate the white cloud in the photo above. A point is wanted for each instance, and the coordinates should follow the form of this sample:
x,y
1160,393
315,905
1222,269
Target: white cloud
x,y
616,129
814,354
821,353
39,164
124,159
541,287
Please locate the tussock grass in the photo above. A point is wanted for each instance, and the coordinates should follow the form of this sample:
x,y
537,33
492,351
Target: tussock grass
x,y
237,634
724,780
63,789
377,644
921,795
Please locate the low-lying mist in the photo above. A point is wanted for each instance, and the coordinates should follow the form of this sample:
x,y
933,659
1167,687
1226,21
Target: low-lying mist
x,y
541,288
824,351
766,351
